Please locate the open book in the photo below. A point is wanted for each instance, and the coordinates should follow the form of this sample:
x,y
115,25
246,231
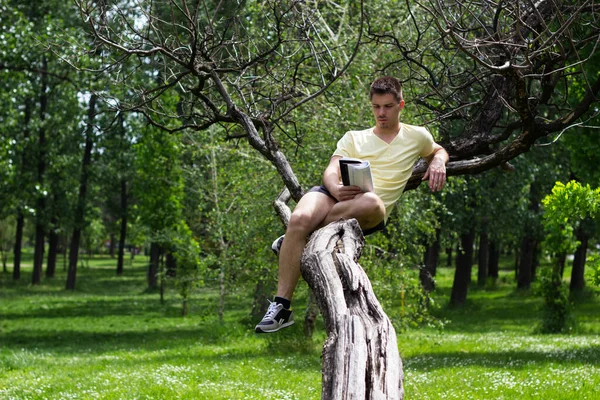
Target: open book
x,y
356,172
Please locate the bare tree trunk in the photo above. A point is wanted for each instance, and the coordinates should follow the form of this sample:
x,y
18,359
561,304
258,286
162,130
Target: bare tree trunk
x,y
360,355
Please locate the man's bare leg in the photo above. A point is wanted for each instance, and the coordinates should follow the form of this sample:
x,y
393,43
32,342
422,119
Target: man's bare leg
x,y
313,211
308,215
367,208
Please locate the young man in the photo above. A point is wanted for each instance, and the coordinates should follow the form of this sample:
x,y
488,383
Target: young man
x,y
392,149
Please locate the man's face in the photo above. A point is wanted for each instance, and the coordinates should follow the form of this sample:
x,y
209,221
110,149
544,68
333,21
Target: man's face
x,y
386,110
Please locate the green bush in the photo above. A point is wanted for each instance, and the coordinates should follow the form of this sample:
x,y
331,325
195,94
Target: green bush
x,y
556,309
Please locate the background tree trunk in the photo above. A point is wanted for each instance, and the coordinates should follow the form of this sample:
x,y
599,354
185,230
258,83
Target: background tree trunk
x,y
526,262
494,258
18,246
264,288
81,200
25,166
38,254
310,317
449,256
462,274
432,255
360,355
153,266
482,264
577,273
123,231
52,252
112,243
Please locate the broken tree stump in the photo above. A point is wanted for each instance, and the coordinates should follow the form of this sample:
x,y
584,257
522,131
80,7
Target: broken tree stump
x,y
360,355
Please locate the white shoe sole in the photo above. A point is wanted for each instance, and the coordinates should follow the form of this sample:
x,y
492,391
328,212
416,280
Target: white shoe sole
x,y
258,329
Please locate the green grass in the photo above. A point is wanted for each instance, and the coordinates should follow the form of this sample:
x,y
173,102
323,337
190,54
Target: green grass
x,y
110,339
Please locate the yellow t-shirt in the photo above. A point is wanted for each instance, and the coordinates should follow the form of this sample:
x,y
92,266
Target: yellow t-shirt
x,y
391,164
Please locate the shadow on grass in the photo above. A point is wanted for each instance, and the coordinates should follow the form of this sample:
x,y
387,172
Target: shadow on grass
x,y
219,343
517,359
492,310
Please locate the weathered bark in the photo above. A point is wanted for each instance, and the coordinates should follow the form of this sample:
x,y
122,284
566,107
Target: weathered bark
x,y
526,262
482,265
462,274
577,273
123,230
494,258
18,246
360,355
81,199
281,207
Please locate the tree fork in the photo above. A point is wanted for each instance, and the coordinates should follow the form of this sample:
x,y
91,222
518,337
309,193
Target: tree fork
x,y
360,355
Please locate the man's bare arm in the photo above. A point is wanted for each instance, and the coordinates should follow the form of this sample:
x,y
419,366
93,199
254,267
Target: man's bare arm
x,y
331,180
436,172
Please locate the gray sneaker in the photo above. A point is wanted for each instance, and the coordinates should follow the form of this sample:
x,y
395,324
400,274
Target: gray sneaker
x,y
275,319
276,246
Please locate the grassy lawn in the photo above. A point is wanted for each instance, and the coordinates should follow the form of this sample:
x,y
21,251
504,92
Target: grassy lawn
x,y
110,339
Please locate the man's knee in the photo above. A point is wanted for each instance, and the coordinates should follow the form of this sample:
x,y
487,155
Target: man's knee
x,y
372,207
302,221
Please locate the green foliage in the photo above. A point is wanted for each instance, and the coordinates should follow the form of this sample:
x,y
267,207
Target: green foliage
x,y
564,209
557,308
160,191
226,206
593,262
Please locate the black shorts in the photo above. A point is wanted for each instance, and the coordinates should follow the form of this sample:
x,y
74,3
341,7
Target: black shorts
x,y
322,189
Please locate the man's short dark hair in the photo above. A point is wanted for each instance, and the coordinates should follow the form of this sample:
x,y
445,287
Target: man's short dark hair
x,y
386,84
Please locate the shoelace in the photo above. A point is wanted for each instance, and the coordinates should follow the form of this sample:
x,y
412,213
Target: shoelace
x,y
272,311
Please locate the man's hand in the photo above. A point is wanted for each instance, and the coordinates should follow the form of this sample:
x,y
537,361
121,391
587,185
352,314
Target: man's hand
x,y
436,172
343,193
